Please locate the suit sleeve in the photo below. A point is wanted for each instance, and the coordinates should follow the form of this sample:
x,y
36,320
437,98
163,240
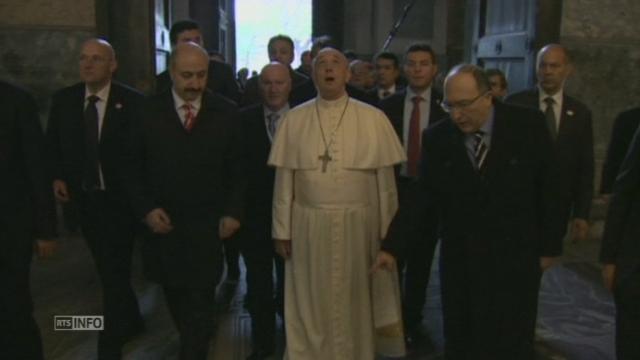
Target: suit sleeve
x,y
236,167
134,168
33,150
417,211
624,188
619,143
550,220
54,153
584,179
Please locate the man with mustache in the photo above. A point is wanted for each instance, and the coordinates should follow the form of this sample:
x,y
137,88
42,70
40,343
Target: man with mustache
x,y
187,181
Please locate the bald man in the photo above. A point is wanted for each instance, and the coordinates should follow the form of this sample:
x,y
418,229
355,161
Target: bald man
x,y
260,123
87,132
334,196
187,181
569,122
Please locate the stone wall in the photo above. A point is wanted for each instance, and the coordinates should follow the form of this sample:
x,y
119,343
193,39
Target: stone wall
x,y
604,42
40,41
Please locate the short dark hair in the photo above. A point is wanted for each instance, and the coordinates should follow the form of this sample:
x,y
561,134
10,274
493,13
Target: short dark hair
x,y
415,47
280,37
181,26
388,56
498,73
481,78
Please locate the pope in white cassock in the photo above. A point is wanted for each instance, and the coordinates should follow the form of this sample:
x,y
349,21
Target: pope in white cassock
x,y
334,198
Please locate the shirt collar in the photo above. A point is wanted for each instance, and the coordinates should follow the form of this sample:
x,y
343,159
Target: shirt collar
x,y
426,95
102,94
557,97
283,110
179,101
391,90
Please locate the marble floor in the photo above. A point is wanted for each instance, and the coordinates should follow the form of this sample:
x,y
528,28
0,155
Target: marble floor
x,y
575,311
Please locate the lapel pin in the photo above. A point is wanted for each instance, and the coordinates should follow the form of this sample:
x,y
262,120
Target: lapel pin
x,y
570,112
118,106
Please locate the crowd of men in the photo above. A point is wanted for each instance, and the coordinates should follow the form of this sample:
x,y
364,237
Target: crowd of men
x,y
341,177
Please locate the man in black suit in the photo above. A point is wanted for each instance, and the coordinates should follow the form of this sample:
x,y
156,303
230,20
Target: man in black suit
x,y
87,132
620,253
186,176
624,127
221,81
280,49
412,110
570,125
260,122
308,91
387,74
221,78
27,217
486,192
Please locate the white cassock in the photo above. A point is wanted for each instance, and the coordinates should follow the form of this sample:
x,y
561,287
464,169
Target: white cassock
x,y
334,308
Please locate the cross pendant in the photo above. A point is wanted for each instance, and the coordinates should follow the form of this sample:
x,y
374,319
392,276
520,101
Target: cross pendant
x,y
325,158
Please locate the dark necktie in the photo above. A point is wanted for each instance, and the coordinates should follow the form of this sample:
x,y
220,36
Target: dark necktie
x,y
479,150
189,117
272,120
413,148
91,176
550,115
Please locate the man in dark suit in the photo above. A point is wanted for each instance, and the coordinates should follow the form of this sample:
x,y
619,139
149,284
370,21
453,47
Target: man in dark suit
x,y
624,127
387,74
280,49
486,191
27,217
570,125
221,78
87,131
412,110
186,176
620,253
305,63
308,91
260,122
221,81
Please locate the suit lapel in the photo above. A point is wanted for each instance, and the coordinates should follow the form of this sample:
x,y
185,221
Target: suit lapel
x,y
566,113
111,110
459,154
499,145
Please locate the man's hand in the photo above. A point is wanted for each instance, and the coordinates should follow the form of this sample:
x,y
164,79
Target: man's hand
x,y
283,248
60,191
45,248
158,221
384,260
609,276
227,227
546,262
579,230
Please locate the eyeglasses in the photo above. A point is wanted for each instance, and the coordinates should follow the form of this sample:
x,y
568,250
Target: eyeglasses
x,y
460,105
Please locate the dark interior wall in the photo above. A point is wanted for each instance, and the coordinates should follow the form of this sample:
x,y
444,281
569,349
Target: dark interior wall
x,y
328,19
128,25
604,42
40,41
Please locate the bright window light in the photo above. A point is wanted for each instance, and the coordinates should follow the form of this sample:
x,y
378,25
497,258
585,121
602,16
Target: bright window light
x,y
259,20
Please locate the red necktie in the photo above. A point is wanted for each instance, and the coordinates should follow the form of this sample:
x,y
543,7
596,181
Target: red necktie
x,y
413,148
189,117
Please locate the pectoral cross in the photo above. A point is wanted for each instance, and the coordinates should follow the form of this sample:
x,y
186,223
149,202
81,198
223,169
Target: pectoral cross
x,y
325,158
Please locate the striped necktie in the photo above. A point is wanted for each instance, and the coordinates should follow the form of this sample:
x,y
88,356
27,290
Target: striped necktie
x,y
480,150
